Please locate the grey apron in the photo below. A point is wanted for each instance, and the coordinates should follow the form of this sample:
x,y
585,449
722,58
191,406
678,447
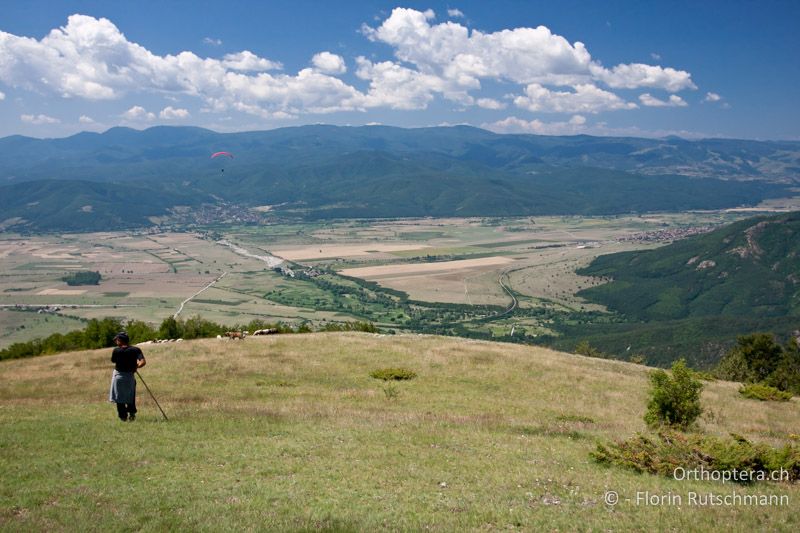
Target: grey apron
x,y
123,387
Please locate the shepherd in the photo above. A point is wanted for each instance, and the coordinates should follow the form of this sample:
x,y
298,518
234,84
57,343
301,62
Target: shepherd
x,y
127,360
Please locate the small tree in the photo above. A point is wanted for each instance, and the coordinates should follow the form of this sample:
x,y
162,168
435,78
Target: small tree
x,y
169,329
675,400
758,358
786,376
139,331
761,352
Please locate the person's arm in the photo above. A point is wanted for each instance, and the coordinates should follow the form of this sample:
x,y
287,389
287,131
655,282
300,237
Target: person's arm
x,y
140,360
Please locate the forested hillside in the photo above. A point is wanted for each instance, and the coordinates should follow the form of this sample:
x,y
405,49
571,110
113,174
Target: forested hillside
x,y
78,183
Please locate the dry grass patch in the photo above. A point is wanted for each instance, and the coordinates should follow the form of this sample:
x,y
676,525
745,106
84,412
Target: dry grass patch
x,y
498,432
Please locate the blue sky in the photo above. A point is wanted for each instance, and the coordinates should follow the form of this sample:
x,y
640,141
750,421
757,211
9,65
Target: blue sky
x,y
695,69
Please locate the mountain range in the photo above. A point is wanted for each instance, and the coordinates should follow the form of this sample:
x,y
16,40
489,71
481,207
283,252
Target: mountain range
x,y
126,178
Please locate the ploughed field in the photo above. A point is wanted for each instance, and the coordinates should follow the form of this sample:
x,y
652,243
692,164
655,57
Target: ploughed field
x,y
290,432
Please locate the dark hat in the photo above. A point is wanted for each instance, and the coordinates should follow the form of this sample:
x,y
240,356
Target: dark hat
x,y
122,336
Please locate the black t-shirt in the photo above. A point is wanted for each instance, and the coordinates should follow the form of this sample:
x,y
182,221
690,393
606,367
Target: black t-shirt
x,y
125,358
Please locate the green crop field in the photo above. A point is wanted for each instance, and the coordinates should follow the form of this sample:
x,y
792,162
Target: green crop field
x,y
289,433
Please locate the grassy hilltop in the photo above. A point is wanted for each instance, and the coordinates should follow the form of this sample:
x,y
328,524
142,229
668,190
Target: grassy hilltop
x,y
291,433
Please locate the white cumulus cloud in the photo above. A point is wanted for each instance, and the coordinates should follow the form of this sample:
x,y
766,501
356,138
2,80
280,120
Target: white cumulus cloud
x,y
712,97
38,120
212,41
586,98
90,58
329,63
137,113
455,13
247,61
523,55
651,101
2,95
576,124
397,87
171,113
490,103
85,119
637,75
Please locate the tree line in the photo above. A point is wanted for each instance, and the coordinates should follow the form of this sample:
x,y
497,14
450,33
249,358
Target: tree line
x,y
99,333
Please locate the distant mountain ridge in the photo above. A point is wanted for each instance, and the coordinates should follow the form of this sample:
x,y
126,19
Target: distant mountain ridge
x,y
380,171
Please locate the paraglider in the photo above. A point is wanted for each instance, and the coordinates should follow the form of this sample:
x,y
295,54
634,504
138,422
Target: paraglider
x,y
223,155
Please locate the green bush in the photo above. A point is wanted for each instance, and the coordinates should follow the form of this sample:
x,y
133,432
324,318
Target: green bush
x,y
584,348
674,401
758,358
396,374
704,375
139,331
753,359
638,359
367,327
671,450
757,391
786,376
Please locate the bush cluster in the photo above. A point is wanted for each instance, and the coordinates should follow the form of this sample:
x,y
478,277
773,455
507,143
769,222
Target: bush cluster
x,y
674,400
757,391
366,327
670,450
758,358
393,374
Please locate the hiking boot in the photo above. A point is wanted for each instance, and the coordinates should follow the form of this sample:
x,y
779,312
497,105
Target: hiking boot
x,y
131,418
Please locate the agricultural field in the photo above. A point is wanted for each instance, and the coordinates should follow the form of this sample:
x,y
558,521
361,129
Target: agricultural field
x,y
432,275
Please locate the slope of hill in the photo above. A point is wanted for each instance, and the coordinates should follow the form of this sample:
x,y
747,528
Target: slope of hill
x,y
327,171
290,433
692,298
80,205
749,268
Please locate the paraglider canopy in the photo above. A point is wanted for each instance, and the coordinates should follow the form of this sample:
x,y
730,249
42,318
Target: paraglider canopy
x,y
222,155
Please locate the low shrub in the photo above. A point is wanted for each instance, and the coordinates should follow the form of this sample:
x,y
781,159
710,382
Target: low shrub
x,y
575,418
391,392
671,450
674,400
367,327
393,374
757,391
705,375
584,348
